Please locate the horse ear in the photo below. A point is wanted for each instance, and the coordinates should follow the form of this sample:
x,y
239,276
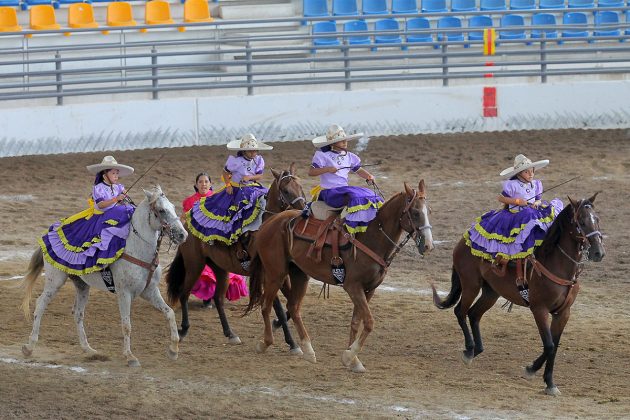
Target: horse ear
x,y
573,202
147,193
592,199
275,173
292,170
408,190
421,187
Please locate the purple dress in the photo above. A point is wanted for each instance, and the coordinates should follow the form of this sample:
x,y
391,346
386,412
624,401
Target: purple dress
x,y
90,240
361,203
513,232
223,217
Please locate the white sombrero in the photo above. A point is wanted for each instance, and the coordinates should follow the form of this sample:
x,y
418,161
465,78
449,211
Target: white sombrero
x,y
110,163
248,142
334,134
521,163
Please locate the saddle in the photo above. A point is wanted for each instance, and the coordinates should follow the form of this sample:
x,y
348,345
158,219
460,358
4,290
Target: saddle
x,y
499,267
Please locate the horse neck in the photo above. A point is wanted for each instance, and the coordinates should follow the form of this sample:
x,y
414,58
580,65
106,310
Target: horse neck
x,y
388,219
562,265
143,241
273,200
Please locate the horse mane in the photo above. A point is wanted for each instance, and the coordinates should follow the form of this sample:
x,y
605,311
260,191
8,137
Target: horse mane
x,y
554,233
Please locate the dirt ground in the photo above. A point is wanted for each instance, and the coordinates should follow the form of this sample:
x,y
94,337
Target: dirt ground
x,y
413,355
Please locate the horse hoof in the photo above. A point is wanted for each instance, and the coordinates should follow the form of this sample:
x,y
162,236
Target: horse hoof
x,y
347,358
356,366
172,354
261,347
296,351
466,359
528,372
310,357
133,363
553,391
26,351
235,340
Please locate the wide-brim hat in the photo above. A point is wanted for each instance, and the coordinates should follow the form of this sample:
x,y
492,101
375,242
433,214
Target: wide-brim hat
x,y
110,163
248,142
521,163
334,134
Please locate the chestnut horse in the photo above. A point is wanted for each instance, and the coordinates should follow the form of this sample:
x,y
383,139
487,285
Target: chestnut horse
x,y
285,255
552,277
193,254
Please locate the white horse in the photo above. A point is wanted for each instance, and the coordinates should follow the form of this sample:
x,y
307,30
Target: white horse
x,y
138,275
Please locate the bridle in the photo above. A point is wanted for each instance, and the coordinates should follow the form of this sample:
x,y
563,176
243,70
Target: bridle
x,y
285,202
581,237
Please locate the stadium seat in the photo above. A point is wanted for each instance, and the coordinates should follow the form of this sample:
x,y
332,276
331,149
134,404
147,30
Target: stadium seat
x,y
541,19
551,4
120,14
157,12
581,4
478,21
607,24
357,26
325,28
42,18
463,5
610,3
9,3
447,22
574,19
415,24
196,11
522,4
9,20
345,8
315,8
404,7
387,25
512,21
375,7
72,1
81,15
433,6
492,5
26,4
627,31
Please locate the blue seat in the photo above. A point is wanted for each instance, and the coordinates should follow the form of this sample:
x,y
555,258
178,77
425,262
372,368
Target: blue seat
x,y
73,1
463,5
9,3
522,4
541,19
28,3
478,21
314,8
419,23
387,25
357,26
610,3
512,21
433,6
375,7
581,4
404,6
551,4
574,19
492,5
447,22
607,24
345,8
327,28
627,32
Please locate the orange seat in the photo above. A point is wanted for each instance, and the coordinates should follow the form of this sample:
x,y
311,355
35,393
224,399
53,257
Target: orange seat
x,y
81,15
42,18
8,20
157,12
120,14
197,11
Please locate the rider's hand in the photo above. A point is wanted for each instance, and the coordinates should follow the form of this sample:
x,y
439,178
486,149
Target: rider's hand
x,y
120,198
370,180
520,202
229,189
536,204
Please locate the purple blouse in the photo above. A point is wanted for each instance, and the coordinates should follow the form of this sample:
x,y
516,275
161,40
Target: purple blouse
x,y
529,191
104,192
240,166
344,162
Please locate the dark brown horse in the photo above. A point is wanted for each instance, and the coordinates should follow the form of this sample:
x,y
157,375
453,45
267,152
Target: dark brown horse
x,y
193,254
285,255
552,276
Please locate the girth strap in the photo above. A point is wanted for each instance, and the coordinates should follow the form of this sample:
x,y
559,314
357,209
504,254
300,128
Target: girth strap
x,y
152,266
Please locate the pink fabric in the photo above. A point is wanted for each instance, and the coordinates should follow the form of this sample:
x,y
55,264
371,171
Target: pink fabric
x,y
206,285
189,201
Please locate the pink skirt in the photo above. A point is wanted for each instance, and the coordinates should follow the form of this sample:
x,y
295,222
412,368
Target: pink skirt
x,y
207,283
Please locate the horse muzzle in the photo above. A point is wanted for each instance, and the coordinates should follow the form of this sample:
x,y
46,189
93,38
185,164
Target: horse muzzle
x,y
423,240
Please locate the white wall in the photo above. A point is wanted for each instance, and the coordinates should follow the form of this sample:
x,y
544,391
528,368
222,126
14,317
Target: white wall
x,y
303,115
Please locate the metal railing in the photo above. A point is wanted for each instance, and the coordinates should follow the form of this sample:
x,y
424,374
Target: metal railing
x,y
214,57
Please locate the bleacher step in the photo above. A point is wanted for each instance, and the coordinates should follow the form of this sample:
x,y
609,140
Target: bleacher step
x,y
260,11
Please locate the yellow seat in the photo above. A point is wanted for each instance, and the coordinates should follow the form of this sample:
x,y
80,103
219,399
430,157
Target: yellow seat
x,y
120,14
42,18
197,11
81,15
157,12
8,20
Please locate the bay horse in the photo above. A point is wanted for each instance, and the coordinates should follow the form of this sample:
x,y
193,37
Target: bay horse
x,y
366,264
193,254
552,277
153,217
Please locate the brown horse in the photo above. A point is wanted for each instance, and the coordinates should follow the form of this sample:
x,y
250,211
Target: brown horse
x,y
193,254
552,277
285,255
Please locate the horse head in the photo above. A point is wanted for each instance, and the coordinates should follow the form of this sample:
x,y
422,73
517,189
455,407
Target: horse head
x,y
162,215
415,217
586,222
287,191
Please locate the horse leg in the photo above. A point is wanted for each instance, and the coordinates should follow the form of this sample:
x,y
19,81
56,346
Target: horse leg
x,y
361,310
124,305
152,295
219,297
356,365
183,302
270,293
299,283
461,312
54,280
294,349
277,323
488,298
80,302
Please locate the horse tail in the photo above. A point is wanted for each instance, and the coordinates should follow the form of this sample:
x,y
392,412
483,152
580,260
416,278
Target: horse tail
x,y
35,267
453,295
255,284
175,278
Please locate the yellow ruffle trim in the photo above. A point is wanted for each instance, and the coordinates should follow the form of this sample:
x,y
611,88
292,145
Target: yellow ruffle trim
x,y
100,263
513,233
489,257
